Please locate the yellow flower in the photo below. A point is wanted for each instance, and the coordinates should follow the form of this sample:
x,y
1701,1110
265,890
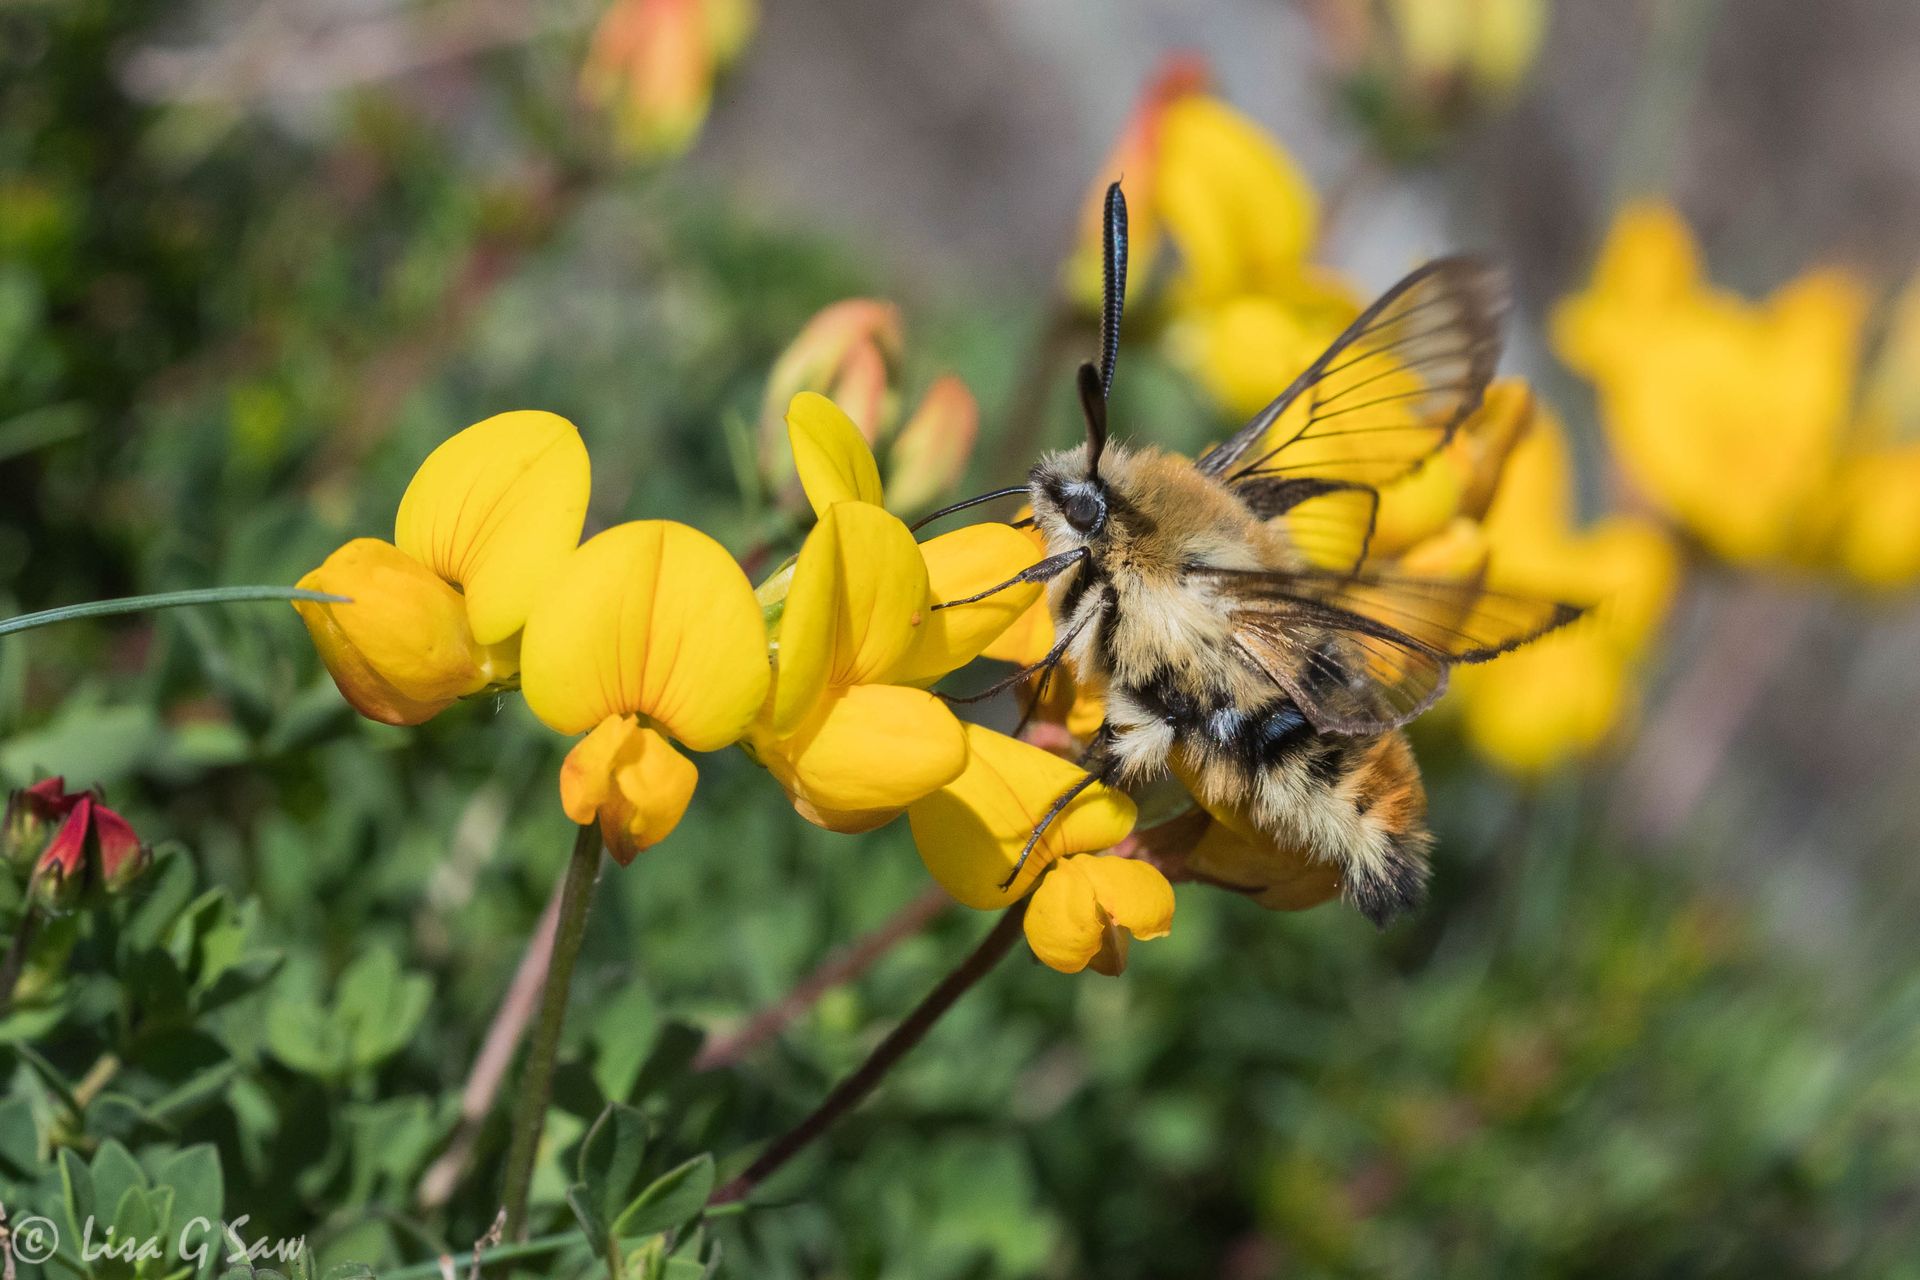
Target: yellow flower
x,y
435,615
1239,217
971,830
649,631
1728,415
849,729
653,63
1488,43
1562,696
1460,480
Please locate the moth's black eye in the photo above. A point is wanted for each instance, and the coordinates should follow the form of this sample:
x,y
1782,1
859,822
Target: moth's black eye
x,y
1084,509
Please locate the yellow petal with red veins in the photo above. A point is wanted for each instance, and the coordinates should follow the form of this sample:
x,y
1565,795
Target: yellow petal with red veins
x,y
1088,910
495,510
971,831
831,455
960,564
858,597
653,618
402,650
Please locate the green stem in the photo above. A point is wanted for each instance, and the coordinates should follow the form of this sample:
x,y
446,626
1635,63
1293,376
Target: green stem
x,y
165,600
530,1110
487,1257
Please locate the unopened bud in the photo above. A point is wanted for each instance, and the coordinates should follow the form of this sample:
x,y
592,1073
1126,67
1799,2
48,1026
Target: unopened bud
x,y
847,353
60,875
31,814
123,856
932,451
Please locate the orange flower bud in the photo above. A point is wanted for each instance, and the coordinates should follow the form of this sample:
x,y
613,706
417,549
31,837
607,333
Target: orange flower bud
x,y
933,449
846,352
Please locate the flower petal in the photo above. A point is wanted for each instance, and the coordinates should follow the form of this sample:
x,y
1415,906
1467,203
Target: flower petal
x,y
960,564
1280,877
402,651
866,749
858,594
495,510
1234,202
831,455
1089,908
971,831
653,618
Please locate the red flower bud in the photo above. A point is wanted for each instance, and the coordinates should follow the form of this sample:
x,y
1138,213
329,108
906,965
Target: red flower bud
x,y
123,858
61,873
30,817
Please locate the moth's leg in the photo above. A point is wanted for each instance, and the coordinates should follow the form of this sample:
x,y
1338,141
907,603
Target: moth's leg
x,y
1096,762
1046,664
1048,569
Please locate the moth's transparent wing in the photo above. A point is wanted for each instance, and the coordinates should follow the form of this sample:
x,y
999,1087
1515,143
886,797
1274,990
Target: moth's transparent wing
x,y
1368,653
1390,391
1329,522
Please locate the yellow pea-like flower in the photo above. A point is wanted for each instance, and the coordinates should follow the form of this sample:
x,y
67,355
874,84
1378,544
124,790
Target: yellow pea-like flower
x,y
435,615
970,833
649,631
1564,695
1090,908
849,730
1730,416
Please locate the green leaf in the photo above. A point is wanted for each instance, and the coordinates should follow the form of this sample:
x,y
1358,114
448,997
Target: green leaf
x,y
115,1173
587,1214
198,1185
612,1160
672,1201
378,1007
303,1035
76,1187
19,1139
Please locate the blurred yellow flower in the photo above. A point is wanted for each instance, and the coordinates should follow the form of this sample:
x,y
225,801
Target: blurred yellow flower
x,y
1222,214
849,730
1730,416
1460,480
1416,69
649,631
435,615
1563,695
1086,908
652,64
849,354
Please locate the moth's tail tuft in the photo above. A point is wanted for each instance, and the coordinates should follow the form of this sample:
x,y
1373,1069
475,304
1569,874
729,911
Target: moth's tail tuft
x,y
1394,882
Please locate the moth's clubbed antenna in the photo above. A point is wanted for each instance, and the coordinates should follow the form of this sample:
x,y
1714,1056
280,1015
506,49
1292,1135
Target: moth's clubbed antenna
x,y
1114,277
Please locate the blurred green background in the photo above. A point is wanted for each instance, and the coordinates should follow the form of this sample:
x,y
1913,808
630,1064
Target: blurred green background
x,y
256,260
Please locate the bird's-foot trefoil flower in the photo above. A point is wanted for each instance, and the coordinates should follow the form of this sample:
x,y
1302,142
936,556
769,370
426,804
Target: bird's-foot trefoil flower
x,y
1229,223
850,730
1731,417
1567,694
1086,906
649,632
435,615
